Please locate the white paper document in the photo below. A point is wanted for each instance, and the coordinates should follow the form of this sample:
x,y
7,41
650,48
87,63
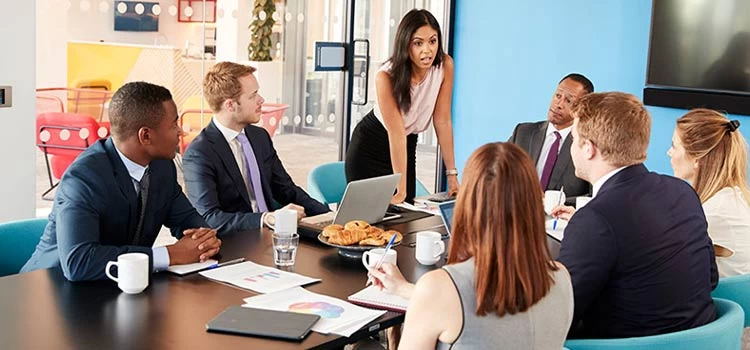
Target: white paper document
x,y
375,298
183,270
559,231
423,206
336,316
258,278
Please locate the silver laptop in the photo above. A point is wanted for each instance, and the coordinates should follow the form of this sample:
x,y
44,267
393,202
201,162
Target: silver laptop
x,y
365,200
446,213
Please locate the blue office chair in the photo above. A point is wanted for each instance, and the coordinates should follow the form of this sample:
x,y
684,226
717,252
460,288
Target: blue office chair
x,y
736,289
18,239
724,333
327,182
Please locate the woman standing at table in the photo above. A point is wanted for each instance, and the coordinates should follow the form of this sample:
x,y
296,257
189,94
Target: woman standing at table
x,y
413,87
709,151
500,288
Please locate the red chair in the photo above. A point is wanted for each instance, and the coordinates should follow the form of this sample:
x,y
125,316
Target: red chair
x,y
62,137
271,116
91,100
192,121
46,104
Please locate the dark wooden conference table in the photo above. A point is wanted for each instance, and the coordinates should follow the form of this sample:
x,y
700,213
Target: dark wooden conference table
x,y
42,310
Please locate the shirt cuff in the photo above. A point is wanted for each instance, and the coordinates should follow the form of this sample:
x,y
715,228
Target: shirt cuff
x,y
161,258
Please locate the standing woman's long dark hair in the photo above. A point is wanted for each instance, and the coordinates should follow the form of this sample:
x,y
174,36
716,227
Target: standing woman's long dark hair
x,y
401,62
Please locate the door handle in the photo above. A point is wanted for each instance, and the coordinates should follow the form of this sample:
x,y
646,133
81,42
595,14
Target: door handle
x,y
360,70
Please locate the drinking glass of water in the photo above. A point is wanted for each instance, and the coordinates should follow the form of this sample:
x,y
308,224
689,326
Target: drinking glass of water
x,y
285,248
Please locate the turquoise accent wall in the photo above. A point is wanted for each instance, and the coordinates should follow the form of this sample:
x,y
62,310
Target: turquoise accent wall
x,y
510,54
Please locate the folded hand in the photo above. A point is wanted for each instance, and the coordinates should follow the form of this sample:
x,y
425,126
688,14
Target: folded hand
x,y
196,245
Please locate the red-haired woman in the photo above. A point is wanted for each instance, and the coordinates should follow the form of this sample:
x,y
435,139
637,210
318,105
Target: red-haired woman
x,y
500,288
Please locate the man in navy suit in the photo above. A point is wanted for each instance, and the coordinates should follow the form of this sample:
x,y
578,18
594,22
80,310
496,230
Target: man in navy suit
x,y
548,142
119,192
232,173
638,253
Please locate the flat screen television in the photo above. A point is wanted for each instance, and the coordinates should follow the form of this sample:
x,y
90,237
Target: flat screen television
x,y
137,16
701,48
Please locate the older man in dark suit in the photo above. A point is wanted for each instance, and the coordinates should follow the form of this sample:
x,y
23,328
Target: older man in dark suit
x,y
639,255
232,173
118,193
548,142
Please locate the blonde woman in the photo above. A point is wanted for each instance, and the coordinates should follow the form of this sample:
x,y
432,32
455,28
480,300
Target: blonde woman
x,y
709,151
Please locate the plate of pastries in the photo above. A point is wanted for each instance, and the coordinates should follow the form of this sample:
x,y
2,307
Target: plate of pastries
x,y
358,235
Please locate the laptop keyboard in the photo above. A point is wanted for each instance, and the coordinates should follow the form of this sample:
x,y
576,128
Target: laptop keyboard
x,y
319,221
440,197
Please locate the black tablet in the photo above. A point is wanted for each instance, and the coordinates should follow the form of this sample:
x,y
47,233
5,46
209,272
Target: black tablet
x,y
263,323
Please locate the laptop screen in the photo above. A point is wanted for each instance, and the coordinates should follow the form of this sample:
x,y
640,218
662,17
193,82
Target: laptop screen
x,y
446,212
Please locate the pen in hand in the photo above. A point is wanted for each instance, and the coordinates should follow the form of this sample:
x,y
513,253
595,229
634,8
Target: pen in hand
x,y
382,258
559,199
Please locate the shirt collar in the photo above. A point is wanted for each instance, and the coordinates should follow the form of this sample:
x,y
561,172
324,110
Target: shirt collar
x,y
135,170
228,133
598,184
563,133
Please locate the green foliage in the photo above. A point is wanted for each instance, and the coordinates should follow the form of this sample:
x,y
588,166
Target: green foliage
x,y
261,30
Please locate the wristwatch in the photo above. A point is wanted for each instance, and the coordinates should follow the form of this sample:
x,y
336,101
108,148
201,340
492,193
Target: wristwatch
x,y
451,172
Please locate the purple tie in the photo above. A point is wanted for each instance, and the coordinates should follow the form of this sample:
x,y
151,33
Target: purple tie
x,y
549,164
251,165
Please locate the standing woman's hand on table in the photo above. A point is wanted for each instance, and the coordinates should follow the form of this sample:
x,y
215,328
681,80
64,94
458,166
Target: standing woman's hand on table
x,y
453,185
400,195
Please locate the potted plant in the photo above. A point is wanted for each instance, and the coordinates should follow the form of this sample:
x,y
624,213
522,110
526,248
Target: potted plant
x,y
261,29
261,50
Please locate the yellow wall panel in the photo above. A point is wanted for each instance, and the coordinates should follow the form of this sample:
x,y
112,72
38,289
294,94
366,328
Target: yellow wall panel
x,y
101,62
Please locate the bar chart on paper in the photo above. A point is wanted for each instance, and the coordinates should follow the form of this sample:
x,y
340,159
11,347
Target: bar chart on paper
x,y
266,276
258,278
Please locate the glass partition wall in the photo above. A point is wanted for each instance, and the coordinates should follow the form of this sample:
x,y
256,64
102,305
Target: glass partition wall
x,y
87,49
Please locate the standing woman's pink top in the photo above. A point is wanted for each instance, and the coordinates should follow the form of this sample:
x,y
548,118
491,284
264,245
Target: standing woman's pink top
x,y
423,99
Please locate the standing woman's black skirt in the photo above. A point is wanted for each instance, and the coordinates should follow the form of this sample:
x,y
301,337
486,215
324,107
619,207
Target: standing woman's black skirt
x,y
369,154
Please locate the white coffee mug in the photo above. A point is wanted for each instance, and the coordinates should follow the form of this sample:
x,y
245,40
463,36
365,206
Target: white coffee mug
x,y
552,199
581,201
430,247
371,257
132,272
285,221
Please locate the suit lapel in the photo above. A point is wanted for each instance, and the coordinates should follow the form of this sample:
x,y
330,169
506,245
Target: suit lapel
x,y
561,165
221,147
125,184
537,141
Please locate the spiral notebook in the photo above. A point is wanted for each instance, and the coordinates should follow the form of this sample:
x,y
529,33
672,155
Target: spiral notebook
x,y
375,298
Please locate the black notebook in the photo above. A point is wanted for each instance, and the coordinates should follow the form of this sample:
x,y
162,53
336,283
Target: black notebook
x,y
263,323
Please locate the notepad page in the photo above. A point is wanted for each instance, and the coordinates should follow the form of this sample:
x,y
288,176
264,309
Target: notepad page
x,y
375,297
189,268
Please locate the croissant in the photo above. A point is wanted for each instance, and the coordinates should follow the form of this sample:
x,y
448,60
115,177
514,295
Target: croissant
x,y
374,232
357,224
331,230
347,237
372,241
388,234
